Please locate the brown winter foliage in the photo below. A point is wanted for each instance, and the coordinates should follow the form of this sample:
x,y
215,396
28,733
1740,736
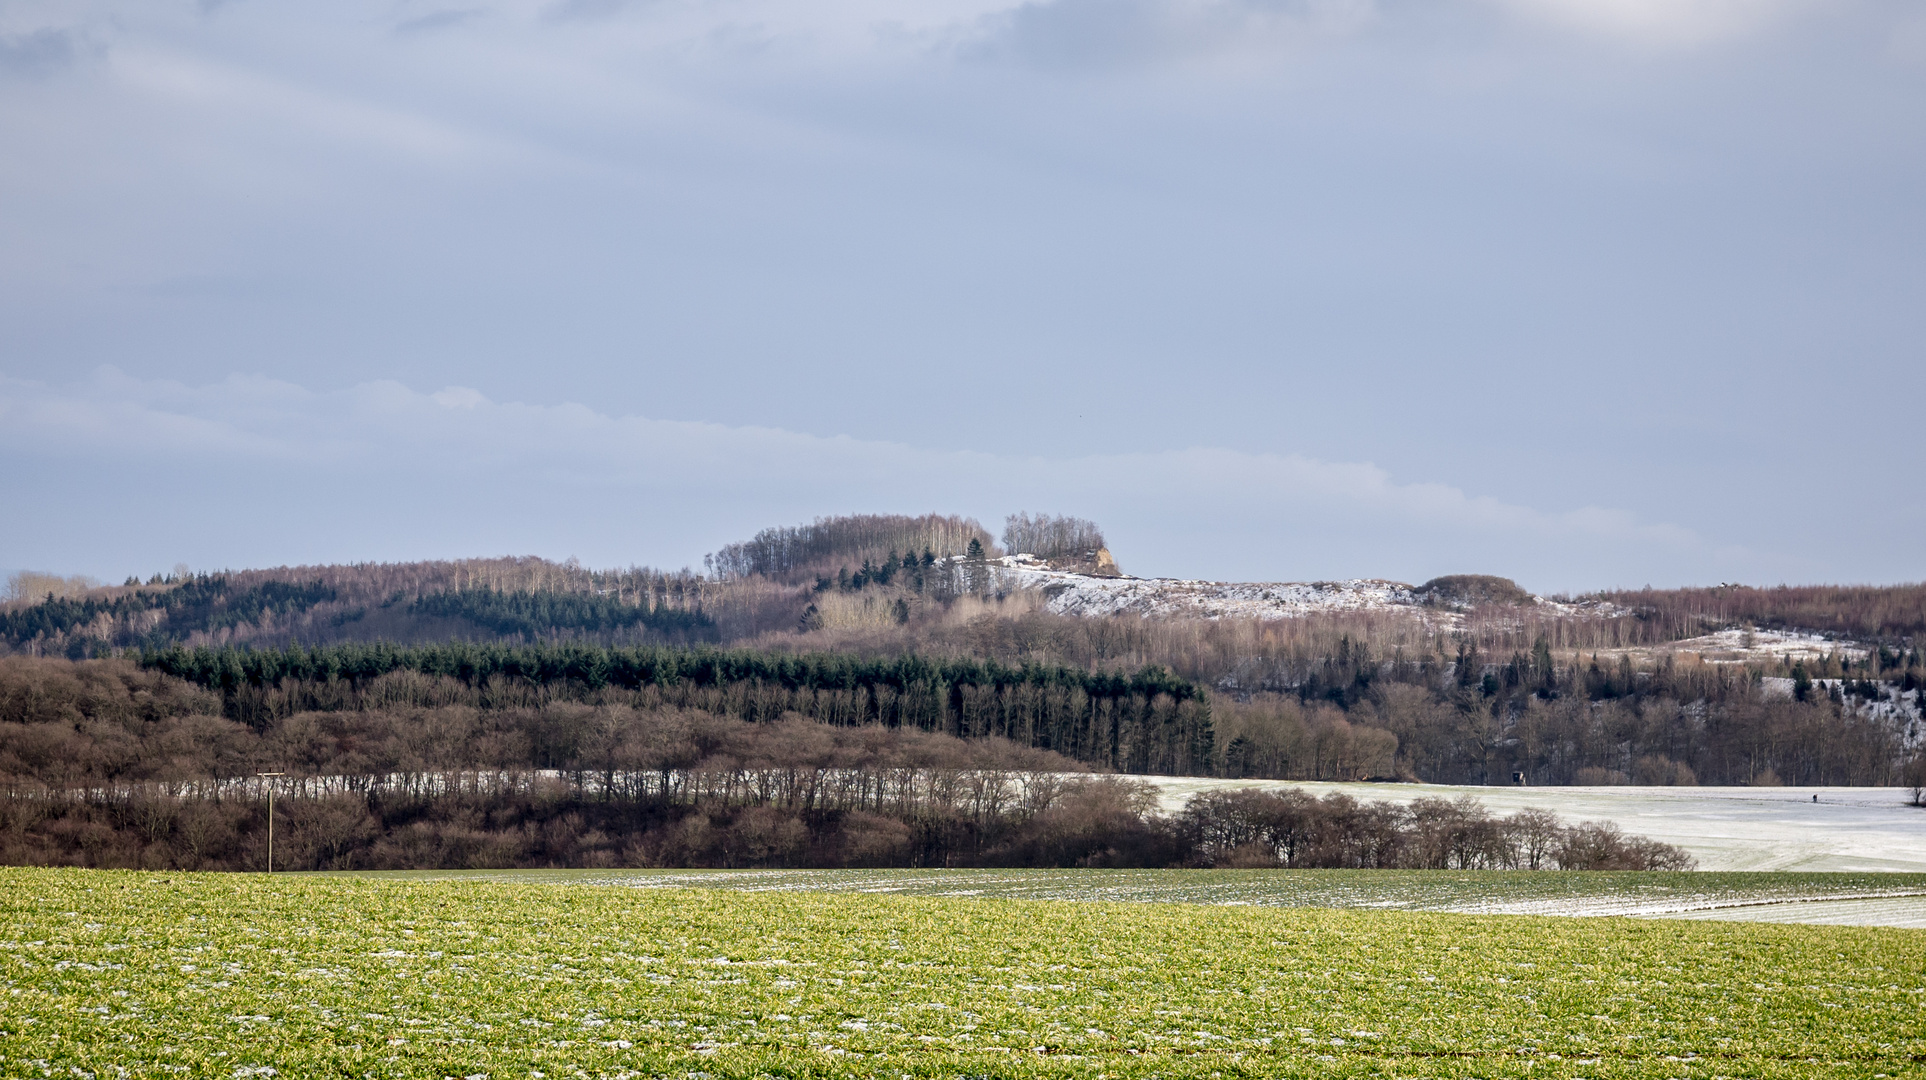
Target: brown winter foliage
x,y
1249,828
1866,612
1564,695
102,764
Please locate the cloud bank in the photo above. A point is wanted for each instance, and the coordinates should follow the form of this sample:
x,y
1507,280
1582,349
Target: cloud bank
x,y
1273,288
253,471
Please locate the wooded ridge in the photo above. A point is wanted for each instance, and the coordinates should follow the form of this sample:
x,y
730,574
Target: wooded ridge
x,y
902,621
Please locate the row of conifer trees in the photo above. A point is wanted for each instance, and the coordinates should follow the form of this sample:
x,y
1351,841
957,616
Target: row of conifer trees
x,y
1145,721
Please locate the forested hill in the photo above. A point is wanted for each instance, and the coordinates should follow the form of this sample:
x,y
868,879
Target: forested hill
x,y
890,691
875,583
480,600
1468,679
761,585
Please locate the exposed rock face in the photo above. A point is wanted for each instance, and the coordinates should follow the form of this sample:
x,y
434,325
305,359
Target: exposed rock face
x,y
1106,564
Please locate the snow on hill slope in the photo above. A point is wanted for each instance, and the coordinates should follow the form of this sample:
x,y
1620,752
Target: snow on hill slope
x,y
1070,593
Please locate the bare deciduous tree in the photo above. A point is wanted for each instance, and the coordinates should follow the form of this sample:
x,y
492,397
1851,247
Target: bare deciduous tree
x,y
1053,537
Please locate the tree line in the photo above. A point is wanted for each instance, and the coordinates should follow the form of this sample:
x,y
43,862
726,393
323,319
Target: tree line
x,y
1252,827
381,601
968,819
197,604
787,552
532,616
31,586
1144,721
1864,612
1470,717
1346,696
1053,537
103,764
1409,732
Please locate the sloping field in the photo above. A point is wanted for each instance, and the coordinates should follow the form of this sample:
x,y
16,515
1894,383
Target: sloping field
x,y
1906,911
1837,899
1725,828
121,973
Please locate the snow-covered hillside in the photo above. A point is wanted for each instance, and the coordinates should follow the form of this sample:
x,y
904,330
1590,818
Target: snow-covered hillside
x,y
1071,593
1743,646
1082,594
1068,592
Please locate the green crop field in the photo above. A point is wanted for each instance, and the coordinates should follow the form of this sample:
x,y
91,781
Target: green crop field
x,y
118,973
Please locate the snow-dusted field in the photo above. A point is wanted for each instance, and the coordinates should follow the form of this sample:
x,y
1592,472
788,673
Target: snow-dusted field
x,y
1854,899
1903,911
1847,829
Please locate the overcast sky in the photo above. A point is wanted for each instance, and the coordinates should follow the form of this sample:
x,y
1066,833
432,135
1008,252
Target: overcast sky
x,y
1583,292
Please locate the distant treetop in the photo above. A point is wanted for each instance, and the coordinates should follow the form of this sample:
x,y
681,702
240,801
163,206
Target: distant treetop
x,y
1473,589
1057,538
796,551
30,586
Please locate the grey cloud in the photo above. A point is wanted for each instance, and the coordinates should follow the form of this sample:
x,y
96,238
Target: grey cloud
x,y
1080,33
1106,33
439,20
40,53
1467,240
625,488
586,10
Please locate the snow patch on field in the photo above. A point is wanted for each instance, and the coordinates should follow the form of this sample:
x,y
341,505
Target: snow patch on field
x,y
1724,828
1904,911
